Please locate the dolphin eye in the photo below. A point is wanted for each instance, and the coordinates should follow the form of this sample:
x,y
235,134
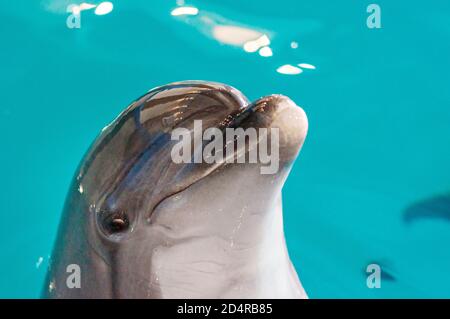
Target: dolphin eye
x,y
113,223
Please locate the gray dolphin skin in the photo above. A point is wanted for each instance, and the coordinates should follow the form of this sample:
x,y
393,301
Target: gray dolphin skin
x,y
139,225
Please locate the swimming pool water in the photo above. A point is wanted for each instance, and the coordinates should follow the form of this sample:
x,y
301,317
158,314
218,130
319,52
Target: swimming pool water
x,y
371,184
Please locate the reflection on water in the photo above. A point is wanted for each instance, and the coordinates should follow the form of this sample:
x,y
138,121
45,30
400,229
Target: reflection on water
x,y
378,138
289,69
236,34
307,66
104,8
265,52
180,11
64,6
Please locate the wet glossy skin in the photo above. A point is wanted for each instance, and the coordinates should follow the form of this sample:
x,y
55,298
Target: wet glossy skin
x,y
141,226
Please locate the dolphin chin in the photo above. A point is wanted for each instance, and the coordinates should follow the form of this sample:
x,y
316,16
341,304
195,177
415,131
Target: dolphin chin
x,y
137,224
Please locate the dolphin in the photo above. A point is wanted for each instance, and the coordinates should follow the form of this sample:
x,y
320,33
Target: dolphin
x,y
437,207
137,225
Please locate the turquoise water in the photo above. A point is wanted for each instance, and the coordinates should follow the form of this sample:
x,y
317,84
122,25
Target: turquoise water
x,y
370,186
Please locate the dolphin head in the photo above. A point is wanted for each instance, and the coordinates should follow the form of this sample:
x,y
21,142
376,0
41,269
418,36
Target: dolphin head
x,y
165,228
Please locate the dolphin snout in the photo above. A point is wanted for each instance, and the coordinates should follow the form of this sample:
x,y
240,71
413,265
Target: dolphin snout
x,y
281,113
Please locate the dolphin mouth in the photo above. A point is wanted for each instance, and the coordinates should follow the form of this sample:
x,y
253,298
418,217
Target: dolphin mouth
x,y
258,114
